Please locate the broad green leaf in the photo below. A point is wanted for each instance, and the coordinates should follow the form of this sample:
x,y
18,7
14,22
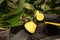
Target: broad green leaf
x,y
37,2
12,5
57,1
29,6
17,10
1,1
45,7
52,11
14,21
14,1
14,24
15,18
27,0
57,8
48,0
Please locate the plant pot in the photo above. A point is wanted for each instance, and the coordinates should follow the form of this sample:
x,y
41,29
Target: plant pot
x,y
4,34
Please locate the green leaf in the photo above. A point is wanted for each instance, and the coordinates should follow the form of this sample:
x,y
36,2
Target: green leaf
x,y
14,21
1,1
27,0
12,5
15,18
37,2
29,6
45,7
51,11
17,10
14,24
48,0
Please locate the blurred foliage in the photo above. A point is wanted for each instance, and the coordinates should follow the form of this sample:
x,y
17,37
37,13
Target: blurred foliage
x,y
11,11
45,5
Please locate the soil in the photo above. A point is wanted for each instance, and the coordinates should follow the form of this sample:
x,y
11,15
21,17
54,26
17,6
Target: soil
x,y
22,35
4,34
52,33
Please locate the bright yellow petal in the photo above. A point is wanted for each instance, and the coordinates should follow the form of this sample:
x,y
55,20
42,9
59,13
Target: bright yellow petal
x,y
52,23
30,26
39,16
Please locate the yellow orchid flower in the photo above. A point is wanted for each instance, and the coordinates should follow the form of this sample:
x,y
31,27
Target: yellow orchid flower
x,y
39,15
30,26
